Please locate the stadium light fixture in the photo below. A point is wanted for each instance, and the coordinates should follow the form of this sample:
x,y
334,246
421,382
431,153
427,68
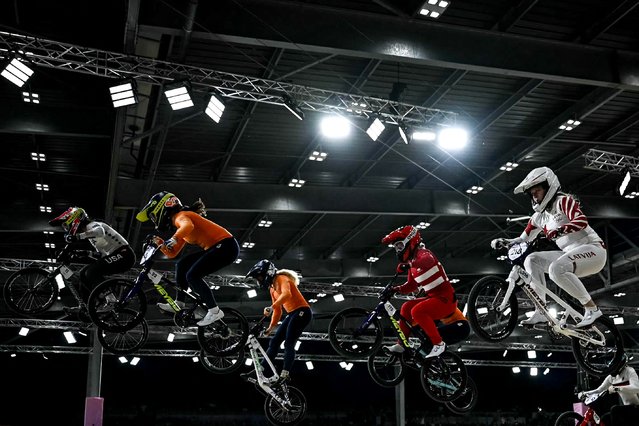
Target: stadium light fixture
x,y
17,72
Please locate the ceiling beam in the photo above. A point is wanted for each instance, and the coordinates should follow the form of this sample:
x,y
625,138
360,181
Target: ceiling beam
x,y
602,25
513,15
354,33
280,252
347,200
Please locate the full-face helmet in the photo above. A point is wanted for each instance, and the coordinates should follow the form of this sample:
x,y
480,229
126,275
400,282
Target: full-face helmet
x,y
159,209
405,240
547,179
71,220
263,272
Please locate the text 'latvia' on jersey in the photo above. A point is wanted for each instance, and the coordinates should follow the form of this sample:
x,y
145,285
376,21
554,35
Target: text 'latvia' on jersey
x,y
105,239
564,214
426,273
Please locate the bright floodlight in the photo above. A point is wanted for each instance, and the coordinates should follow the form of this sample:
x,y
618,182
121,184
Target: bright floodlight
x,y
69,336
335,126
17,72
532,354
624,183
375,129
178,97
135,360
123,95
251,293
452,138
424,135
309,365
533,371
215,108
23,331
338,297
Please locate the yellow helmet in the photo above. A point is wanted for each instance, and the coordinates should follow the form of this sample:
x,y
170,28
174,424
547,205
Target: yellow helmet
x,y
159,209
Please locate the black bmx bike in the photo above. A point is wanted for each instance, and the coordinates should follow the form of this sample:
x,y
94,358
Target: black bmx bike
x,y
32,291
359,333
118,305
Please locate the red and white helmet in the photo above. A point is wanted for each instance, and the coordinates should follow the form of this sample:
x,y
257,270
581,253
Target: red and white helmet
x,y
71,220
405,240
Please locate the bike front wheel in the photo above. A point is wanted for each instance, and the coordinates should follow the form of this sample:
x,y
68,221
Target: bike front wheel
x,y
352,334
569,418
485,319
599,360
112,308
124,342
290,411
30,291
226,336
444,377
222,364
386,368
466,401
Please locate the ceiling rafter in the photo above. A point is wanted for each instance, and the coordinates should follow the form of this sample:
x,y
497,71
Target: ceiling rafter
x,y
604,24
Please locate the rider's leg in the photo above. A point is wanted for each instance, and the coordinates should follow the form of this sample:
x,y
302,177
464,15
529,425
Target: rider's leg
x,y
537,264
579,262
405,311
276,341
426,312
181,268
300,319
215,258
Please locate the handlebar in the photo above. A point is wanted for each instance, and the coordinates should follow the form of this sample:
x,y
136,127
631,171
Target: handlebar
x,y
386,292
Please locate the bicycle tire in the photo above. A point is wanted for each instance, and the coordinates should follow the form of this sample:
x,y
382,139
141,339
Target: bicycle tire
x,y
30,291
444,377
386,369
348,340
108,312
226,336
596,360
221,364
466,401
124,342
569,418
484,319
285,416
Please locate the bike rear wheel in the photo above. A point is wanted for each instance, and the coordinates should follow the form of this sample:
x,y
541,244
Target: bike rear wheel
x,y
289,414
111,310
466,401
124,342
221,364
386,368
599,360
351,337
483,300
569,418
226,336
444,377
30,291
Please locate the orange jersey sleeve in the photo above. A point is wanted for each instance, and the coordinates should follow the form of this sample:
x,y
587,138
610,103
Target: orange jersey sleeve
x,y
285,294
197,230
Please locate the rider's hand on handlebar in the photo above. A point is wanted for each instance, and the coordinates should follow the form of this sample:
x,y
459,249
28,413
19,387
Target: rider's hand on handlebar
x,y
612,389
499,243
71,238
268,311
553,234
402,267
170,243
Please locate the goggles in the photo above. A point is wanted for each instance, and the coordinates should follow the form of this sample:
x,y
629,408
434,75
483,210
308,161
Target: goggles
x,y
401,245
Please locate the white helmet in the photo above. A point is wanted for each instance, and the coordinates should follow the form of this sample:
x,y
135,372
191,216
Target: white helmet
x,y
540,176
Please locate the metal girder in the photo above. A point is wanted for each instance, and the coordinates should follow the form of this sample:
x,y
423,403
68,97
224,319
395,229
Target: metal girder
x,y
350,235
602,25
611,162
347,200
513,15
64,56
353,33
298,237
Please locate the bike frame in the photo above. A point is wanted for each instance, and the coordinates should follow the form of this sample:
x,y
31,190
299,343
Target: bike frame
x,y
519,274
257,353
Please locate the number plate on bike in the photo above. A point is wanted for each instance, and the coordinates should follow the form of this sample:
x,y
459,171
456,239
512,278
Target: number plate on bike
x,y
66,272
390,308
154,276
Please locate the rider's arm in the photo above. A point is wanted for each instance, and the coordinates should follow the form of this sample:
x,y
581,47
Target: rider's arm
x,y
531,231
632,386
603,386
422,270
283,285
93,230
277,307
570,207
184,228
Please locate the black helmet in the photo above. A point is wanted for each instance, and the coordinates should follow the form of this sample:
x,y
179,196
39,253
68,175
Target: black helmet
x,y
159,209
263,272
622,364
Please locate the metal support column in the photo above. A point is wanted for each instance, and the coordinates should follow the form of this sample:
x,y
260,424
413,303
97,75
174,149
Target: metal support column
x,y
400,404
93,411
